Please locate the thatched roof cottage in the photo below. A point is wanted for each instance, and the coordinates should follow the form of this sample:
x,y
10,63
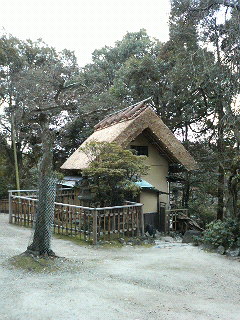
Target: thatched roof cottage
x,y
140,128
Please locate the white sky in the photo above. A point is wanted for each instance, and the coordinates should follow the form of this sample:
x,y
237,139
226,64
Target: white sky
x,y
83,25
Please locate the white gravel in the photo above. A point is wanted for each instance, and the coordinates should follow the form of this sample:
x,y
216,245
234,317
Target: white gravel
x,y
165,282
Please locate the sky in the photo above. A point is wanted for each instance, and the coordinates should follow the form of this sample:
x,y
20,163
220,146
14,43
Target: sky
x,y
83,25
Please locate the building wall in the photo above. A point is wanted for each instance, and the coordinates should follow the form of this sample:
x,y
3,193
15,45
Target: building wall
x,y
149,200
158,169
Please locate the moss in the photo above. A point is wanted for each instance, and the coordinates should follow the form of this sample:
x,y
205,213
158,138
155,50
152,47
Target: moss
x,y
76,240
102,243
148,245
34,264
109,244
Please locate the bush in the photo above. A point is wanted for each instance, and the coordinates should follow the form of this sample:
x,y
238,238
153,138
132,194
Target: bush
x,y
202,208
112,172
222,233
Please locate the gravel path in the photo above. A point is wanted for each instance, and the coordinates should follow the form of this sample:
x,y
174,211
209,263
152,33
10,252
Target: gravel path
x,y
170,282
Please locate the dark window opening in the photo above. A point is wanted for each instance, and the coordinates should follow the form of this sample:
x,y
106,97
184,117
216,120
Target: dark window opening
x,y
141,150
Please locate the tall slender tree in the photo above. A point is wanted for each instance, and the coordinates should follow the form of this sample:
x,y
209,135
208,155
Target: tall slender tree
x,y
220,81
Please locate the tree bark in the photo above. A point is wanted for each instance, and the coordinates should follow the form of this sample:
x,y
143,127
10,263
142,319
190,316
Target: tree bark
x,y
13,137
220,151
186,185
41,244
234,187
220,136
220,207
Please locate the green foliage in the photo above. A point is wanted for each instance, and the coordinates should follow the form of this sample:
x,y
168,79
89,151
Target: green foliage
x,y
202,211
6,170
4,187
223,233
112,172
99,76
191,90
35,80
3,177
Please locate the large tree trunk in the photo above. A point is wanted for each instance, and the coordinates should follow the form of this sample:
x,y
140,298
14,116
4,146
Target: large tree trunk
x,y
234,187
13,137
186,185
220,150
220,207
220,136
41,244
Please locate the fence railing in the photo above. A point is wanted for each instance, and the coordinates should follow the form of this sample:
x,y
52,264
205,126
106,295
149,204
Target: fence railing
x,y
84,223
172,219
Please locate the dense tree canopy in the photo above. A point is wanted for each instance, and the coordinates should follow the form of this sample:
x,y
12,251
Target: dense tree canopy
x,y
193,79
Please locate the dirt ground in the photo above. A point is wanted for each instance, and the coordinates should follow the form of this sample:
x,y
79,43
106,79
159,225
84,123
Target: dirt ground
x,y
168,281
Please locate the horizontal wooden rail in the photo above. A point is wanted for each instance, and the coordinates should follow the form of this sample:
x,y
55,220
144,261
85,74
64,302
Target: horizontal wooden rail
x,y
35,190
81,207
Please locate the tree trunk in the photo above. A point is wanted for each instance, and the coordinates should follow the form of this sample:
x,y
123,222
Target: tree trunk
x,y
220,150
234,187
220,193
220,136
13,137
41,244
186,192
186,185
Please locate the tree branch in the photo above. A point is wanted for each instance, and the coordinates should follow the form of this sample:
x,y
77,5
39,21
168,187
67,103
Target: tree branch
x,y
5,127
225,3
68,107
63,88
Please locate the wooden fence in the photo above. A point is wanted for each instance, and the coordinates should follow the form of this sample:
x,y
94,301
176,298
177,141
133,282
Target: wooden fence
x,y
91,224
173,223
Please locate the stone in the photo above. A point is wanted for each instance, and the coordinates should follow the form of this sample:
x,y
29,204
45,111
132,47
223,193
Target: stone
x,y
136,242
221,250
150,230
190,236
167,239
207,247
151,240
234,252
158,235
122,241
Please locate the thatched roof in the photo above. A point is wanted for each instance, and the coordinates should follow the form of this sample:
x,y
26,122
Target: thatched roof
x,y
124,126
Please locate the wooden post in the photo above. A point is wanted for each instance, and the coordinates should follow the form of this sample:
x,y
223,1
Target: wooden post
x,y
162,217
142,220
10,206
13,135
95,226
158,227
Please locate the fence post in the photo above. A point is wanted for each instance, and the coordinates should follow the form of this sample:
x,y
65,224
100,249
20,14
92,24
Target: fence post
x,y
162,217
10,206
142,220
94,226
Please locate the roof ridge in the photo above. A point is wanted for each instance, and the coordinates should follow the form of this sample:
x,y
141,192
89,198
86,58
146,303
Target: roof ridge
x,y
122,115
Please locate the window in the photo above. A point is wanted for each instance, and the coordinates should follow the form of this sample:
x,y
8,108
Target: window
x,y
141,150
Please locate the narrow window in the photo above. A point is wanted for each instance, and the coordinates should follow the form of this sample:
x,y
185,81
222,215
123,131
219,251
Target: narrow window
x,y
141,150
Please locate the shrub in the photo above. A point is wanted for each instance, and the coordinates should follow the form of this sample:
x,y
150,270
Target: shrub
x,y
222,233
112,172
